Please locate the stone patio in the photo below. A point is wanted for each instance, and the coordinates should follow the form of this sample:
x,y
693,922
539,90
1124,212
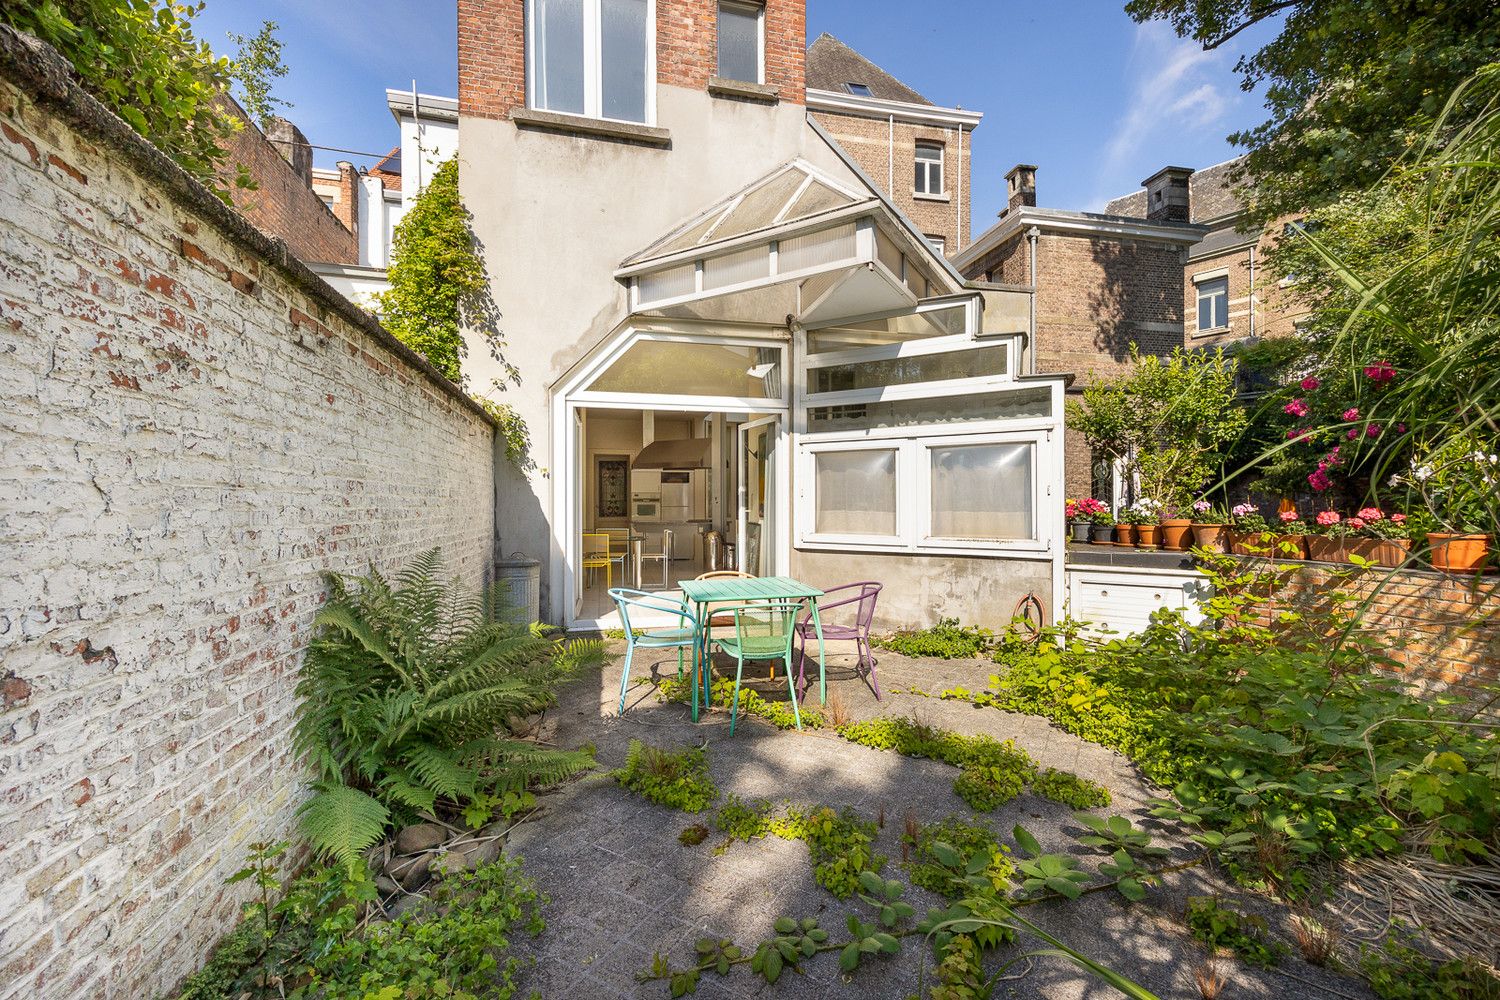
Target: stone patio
x,y
622,887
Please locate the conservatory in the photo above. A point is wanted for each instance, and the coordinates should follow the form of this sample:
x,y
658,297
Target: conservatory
x,y
803,387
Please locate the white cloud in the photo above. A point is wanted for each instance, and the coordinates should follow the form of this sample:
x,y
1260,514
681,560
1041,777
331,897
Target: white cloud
x,y
1172,86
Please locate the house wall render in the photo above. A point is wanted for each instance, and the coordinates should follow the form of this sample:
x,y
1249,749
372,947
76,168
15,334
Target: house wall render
x,y
196,428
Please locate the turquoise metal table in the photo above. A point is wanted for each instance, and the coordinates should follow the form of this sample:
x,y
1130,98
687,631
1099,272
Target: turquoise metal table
x,y
732,590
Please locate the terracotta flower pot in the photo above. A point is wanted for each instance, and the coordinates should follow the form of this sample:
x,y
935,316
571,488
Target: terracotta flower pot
x,y
1103,534
1239,541
1326,549
1214,537
1174,533
1148,535
1381,551
1290,546
1453,553
1125,534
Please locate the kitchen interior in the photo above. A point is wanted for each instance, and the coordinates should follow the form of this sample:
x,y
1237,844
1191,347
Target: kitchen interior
x,y
662,486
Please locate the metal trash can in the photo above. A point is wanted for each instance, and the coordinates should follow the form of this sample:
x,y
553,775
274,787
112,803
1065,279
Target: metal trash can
x,y
713,549
522,577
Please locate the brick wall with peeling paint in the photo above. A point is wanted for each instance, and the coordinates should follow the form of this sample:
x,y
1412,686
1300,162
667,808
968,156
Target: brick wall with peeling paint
x,y
193,431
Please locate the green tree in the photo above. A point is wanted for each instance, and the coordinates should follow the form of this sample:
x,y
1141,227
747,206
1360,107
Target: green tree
x,y
141,60
1172,419
438,285
257,63
1351,85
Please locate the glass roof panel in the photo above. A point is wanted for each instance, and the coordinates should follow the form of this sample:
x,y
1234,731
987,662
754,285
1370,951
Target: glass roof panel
x,y
691,369
761,206
817,198
943,322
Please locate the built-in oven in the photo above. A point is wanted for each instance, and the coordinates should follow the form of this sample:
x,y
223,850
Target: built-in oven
x,y
645,509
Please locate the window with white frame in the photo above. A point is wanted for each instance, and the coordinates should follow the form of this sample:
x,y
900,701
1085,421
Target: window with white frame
x,y
929,177
741,41
939,243
1213,303
923,444
591,57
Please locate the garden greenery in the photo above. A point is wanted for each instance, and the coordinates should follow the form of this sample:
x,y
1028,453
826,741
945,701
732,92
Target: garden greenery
x,y
404,696
947,640
677,779
1286,745
141,60
257,63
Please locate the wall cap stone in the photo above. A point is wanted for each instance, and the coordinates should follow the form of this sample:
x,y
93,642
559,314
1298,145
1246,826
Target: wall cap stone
x,y
41,71
721,87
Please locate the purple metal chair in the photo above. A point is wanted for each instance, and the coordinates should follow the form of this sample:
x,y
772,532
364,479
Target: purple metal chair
x,y
864,596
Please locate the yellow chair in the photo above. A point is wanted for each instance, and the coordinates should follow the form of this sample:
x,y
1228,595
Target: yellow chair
x,y
596,556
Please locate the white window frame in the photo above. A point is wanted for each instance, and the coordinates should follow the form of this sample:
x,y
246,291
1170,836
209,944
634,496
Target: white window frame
x,y
593,67
938,242
941,162
746,7
1200,282
927,541
807,513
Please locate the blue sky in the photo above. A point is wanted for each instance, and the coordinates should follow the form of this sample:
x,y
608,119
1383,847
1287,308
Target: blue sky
x,y
1074,86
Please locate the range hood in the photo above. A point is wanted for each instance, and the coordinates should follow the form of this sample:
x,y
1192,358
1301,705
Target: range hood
x,y
683,453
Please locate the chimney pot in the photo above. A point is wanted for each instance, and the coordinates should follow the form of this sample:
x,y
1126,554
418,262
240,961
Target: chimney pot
x,y
1020,186
1169,195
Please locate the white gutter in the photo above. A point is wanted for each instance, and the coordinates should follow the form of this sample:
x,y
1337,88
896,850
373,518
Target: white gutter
x,y
435,107
902,111
1031,237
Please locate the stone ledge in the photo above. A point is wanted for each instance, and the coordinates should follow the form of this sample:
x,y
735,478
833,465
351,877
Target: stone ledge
x,y
551,121
761,92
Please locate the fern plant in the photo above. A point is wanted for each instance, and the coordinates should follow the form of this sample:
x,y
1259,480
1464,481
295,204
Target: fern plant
x,y
404,693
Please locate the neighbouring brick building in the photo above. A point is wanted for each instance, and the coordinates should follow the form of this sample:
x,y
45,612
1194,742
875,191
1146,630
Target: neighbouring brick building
x,y
1100,282
914,150
1228,297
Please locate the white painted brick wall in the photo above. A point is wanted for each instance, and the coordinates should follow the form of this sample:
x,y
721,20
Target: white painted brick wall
x,y
182,458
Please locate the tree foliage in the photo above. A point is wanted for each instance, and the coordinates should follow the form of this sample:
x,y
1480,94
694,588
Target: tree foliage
x,y
1351,85
1401,369
141,60
1170,419
257,64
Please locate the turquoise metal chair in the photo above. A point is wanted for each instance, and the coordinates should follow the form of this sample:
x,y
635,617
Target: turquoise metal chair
x,y
762,631
683,636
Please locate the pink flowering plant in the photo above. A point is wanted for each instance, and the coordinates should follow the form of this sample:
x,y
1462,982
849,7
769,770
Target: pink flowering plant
x,y
1204,511
1089,510
1247,517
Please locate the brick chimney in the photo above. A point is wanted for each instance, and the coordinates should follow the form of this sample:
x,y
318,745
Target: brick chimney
x,y
1168,195
346,209
292,145
1020,186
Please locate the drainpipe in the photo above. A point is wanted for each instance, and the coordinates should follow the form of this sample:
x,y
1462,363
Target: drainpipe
x,y
1031,236
958,215
1252,293
890,157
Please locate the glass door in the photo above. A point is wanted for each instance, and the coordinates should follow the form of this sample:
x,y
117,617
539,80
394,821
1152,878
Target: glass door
x,y
760,474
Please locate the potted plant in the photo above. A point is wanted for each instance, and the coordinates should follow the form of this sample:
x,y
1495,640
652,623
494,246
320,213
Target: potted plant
x,y
1176,531
1078,524
1145,515
1330,541
1291,537
1103,522
1246,527
1210,526
1382,540
1460,482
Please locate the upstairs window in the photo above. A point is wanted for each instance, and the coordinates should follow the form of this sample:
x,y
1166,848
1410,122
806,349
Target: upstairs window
x,y
740,44
929,179
939,243
591,57
858,89
1213,304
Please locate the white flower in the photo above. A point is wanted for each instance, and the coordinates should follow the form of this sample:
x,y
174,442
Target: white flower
x,y
1423,473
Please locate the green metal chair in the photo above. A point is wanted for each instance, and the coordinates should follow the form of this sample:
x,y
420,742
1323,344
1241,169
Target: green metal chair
x,y
762,631
681,636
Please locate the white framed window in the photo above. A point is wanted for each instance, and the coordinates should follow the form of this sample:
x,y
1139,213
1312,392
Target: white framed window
x,y
742,41
595,58
932,491
939,243
1213,303
929,172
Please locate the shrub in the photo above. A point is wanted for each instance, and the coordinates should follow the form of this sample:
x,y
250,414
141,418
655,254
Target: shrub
x,y
676,779
965,838
1397,971
403,692
994,772
947,640
986,788
839,844
1070,789
1219,925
